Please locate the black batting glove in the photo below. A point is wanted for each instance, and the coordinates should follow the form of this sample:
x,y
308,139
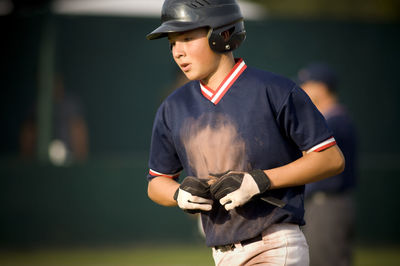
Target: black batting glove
x,y
193,195
236,188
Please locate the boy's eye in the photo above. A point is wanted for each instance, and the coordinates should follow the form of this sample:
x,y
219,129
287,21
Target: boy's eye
x,y
188,39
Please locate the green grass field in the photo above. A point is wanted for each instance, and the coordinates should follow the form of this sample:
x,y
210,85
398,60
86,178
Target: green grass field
x,y
155,255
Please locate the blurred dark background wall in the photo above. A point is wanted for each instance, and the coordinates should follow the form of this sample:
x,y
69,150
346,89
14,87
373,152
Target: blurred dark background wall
x,y
121,78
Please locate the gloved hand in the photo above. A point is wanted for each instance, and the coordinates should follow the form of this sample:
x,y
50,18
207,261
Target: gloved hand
x,y
236,188
193,195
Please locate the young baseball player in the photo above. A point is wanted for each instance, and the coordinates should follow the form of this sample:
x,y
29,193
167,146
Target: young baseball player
x,y
247,139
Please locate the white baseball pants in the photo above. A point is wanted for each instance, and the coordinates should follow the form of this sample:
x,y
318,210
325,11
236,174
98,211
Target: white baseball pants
x,y
281,245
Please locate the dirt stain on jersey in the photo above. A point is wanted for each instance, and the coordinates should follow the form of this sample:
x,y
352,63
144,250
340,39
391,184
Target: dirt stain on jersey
x,y
213,145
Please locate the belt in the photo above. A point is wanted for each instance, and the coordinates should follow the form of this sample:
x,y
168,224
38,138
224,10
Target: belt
x,y
228,247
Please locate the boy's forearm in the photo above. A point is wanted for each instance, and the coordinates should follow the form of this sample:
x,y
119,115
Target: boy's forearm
x,y
310,168
161,190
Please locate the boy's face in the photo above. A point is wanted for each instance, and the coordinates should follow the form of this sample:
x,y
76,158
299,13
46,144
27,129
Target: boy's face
x,y
193,54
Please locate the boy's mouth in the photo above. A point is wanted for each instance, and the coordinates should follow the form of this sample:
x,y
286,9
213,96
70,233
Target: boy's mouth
x,y
185,67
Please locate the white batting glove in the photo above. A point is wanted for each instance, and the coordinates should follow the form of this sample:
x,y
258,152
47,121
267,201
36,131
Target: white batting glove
x,y
193,195
236,188
191,203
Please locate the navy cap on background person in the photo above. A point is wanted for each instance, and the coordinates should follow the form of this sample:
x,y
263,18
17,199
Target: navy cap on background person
x,y
319,72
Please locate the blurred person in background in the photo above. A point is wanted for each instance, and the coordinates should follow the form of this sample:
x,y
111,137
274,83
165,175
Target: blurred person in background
x,y
329,203
69,129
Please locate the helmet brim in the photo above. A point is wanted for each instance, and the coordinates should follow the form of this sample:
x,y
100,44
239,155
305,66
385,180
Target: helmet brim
x,y
171,27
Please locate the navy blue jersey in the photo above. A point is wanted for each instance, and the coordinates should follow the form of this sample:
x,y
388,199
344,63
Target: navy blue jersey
x,y
254,120
344,131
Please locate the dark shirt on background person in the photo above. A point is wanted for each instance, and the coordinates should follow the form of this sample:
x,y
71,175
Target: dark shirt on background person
x,y
329,203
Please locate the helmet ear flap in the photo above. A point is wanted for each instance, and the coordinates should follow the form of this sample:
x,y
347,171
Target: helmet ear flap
x,y
221,43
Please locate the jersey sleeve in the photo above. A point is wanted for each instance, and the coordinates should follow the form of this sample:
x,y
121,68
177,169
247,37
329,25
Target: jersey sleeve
x,y
303,123
163,160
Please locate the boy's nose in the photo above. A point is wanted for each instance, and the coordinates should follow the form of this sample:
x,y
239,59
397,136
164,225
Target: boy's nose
x,y
177,50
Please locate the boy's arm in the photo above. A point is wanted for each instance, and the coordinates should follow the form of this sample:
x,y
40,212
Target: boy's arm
x,y
312,167
236,188
162,189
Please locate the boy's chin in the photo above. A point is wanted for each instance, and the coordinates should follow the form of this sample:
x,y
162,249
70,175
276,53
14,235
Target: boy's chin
x,y
190,76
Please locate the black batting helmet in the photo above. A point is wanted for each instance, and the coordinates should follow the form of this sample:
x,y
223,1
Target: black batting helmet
x,y
218,15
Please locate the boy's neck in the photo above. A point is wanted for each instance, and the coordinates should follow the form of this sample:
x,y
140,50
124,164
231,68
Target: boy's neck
x,y
226,63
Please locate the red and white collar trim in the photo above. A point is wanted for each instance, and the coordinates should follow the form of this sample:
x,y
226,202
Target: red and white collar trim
x,y
216,96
